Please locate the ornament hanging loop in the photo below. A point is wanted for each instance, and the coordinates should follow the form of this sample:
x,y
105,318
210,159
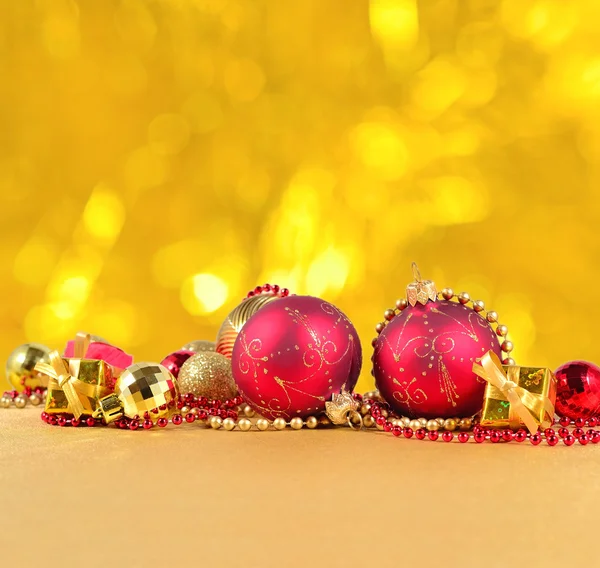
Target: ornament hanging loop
x,y
416,272
355,420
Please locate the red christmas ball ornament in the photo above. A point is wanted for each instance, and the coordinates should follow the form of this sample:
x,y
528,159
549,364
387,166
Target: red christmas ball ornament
x,y
426,349
578,390
174,361
293,355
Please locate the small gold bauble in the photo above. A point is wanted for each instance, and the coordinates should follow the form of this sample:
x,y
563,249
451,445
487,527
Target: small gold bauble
x,y
312,422
279,423
244,424
207,374
262,424
199,346
20,365
234,322
296,423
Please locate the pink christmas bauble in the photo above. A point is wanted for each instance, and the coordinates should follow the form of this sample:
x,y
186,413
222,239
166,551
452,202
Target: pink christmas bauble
x,y
578,390
174,361
103,352
293,355
424,357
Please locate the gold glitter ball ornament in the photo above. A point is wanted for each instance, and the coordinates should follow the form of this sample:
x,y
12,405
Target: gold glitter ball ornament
x,y
199,346
20,366
142,387
208,374
234,322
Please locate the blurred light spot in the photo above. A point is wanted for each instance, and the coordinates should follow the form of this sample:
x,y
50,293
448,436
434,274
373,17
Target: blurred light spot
x,y
61,37
144,169
381,149
463,142
479,44
452,200
203,111
203,294
395,23
172,263
35,261
438,86
104,214
244,79
327,273
119,322
168,134
43,325
135,24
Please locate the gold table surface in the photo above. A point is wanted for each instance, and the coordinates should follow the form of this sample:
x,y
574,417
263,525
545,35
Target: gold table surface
x,y
106,497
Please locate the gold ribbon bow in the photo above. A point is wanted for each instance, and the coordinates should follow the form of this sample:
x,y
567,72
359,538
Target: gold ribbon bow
x,y
524,405
66,374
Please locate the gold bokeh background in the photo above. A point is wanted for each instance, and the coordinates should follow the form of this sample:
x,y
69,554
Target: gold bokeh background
x,y
159,158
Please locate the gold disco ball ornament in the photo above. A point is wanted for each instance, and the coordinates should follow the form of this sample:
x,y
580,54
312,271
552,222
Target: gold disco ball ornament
x,y
141,388
20,366
199,346
209,375
231,327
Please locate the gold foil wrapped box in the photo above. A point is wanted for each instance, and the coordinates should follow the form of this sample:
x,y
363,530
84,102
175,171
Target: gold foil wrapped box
x,y
91,379
537,391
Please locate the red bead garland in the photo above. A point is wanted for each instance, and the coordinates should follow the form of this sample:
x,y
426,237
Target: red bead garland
x,y
268,289
480,434
200,408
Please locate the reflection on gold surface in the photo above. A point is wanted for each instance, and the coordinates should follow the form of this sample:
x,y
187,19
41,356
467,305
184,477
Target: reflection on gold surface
x,y
159,159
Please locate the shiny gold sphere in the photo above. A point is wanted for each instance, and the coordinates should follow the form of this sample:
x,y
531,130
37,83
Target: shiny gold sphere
x,y
5,402
296,423
244,424
312,422
368,421
216,422
35,399
433,425
199,346
20,366
21,401
229,424
262,424
234,322
207,374
279,424
450,424
448,293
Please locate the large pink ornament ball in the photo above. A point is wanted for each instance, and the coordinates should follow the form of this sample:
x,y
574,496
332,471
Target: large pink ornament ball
x,y
424,357
293,355
578,390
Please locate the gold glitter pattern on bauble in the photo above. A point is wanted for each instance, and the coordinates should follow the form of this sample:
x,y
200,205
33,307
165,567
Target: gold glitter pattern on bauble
x,y
200,346
207,374
236,319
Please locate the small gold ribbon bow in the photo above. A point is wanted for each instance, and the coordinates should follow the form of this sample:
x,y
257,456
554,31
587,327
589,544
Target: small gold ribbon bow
x,y
524,405
66,375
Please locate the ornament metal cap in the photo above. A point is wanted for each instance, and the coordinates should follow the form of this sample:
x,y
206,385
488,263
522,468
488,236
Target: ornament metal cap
x,y
342,409
420,291
109,408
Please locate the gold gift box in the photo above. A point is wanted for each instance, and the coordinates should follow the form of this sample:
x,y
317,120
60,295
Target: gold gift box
x,y
540,385
92,380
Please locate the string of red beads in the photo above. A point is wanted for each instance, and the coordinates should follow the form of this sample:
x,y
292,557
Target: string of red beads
x,y
268,289
193,407
480,434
